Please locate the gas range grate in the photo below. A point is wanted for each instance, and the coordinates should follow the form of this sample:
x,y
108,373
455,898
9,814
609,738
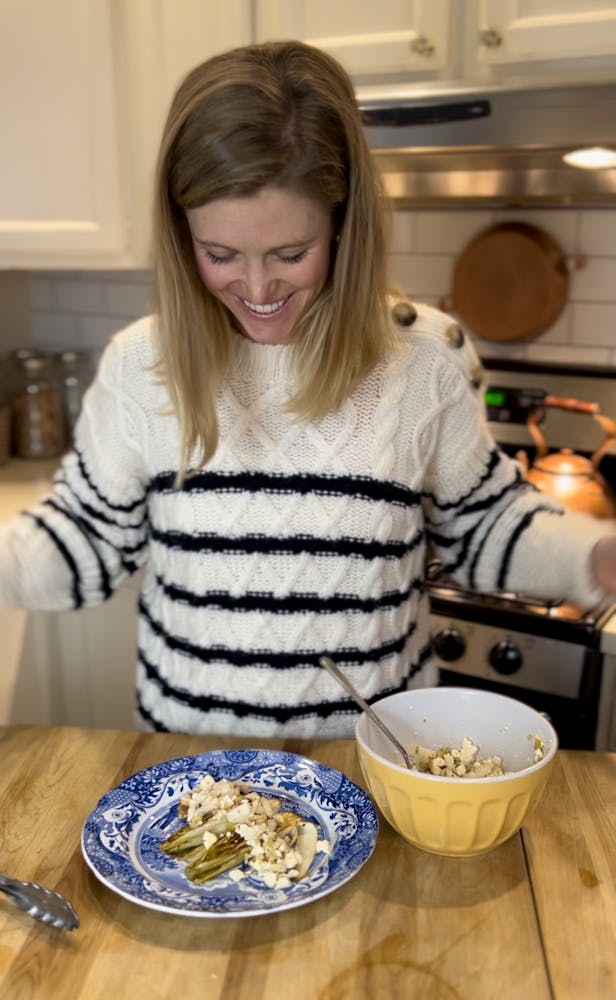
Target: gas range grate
x,y
520,613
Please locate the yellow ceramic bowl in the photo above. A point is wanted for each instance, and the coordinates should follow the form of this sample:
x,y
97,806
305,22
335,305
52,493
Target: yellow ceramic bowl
x,y
456,816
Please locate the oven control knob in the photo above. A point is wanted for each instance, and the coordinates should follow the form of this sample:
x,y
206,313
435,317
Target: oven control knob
x,y
505,657
449,644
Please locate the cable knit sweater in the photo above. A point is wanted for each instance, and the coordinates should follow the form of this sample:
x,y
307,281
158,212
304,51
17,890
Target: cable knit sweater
x,y
296,539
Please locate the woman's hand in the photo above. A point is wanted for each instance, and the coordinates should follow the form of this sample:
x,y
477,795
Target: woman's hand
x,y
603,564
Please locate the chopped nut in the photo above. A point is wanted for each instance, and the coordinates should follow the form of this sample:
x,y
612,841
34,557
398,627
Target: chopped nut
x,y
273,843
450,762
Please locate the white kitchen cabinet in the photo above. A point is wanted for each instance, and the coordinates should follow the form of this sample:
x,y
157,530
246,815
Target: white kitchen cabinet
x,y
463,40
60,184
159,42
391,38
84,88
562,38
77,668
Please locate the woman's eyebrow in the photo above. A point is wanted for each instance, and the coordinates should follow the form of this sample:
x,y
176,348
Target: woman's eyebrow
x,y
212,244
284,248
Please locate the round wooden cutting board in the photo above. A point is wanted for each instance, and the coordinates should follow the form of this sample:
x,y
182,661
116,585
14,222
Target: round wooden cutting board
x,y
511,282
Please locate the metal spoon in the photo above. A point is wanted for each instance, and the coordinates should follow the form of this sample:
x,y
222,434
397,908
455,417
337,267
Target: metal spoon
x,y
329,665
43,904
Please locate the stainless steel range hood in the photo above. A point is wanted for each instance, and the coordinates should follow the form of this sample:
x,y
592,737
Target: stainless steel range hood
x,y
471,146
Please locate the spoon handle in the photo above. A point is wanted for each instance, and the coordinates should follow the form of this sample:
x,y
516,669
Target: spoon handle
x,y
330,666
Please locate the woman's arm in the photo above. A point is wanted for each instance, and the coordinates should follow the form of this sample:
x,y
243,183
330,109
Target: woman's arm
x,y
493,530
83,539
603,564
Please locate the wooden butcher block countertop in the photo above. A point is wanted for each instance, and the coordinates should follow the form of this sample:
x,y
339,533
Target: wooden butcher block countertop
x,y
534,919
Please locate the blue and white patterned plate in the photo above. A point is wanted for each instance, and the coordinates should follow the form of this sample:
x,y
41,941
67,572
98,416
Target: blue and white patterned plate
x,y
121,835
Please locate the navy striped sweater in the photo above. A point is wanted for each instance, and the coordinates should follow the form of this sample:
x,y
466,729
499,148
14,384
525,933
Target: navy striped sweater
x,y
296,540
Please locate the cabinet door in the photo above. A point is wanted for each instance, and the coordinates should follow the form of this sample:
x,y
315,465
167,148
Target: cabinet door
x,y
84,88
391,38
59,167
159,42
97,660
77,668
180,34
535,31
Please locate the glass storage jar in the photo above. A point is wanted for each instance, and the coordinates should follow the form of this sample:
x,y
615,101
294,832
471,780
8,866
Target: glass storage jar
x,y
5,412
75,372
38,425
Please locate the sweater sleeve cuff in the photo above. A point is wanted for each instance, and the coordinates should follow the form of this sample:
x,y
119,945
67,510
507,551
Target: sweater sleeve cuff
x,y
559,548
9,570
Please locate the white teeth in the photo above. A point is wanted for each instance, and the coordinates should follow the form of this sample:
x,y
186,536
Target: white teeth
x,y
268,307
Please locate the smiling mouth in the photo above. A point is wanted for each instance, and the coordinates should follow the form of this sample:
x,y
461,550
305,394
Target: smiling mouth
x,y
267,309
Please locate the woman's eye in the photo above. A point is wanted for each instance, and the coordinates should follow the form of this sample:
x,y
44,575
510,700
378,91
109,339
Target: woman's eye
x,y
295,259
216,259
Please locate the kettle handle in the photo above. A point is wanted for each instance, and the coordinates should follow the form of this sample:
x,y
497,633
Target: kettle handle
x,y
609,429
532,425
574,406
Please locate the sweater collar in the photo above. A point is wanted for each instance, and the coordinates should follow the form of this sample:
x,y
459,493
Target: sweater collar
x,y
252,360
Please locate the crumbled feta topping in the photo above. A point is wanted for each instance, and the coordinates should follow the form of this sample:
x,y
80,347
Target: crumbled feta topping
x,y
282,844
452,762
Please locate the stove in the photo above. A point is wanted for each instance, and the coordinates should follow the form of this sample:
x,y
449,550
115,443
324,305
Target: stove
x,y
546,654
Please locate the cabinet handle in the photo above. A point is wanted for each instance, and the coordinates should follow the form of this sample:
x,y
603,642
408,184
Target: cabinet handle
x,y
490,37
423,46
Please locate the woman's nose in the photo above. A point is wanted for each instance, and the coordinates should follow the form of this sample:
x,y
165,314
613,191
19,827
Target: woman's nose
x,y
258,283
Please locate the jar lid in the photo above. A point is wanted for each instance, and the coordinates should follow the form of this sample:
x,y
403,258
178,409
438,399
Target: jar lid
x,y
35,364
22,354
73,357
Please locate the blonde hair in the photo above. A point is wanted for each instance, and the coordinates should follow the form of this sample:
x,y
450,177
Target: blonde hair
x,y
278,115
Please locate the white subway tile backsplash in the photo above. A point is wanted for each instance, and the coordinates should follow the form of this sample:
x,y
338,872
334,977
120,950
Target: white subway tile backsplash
x,y
403,225
54,331
83,309
449,232
422,274
127,299
596,282
598,232
79,296
41,292
594,323
96,331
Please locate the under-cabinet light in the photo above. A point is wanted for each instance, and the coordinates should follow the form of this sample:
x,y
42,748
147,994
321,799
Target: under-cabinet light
x,y
591,158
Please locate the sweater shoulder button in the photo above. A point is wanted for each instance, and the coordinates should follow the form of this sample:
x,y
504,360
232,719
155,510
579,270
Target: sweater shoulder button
x,y
454,336
404,314
477,377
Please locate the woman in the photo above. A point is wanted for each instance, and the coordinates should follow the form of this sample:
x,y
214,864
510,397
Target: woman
x,y
279,445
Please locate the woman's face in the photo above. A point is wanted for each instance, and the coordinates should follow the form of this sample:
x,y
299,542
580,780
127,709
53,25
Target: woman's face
x,y
265,257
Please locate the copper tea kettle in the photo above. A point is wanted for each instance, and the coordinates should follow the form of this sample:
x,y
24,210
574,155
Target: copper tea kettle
x,y
565,475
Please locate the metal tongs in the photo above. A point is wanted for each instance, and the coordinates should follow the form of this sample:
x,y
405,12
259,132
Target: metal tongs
x,y
43,904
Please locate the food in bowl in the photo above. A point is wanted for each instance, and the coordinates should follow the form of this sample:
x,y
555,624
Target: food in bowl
x,y
463,762
441,813
454,762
